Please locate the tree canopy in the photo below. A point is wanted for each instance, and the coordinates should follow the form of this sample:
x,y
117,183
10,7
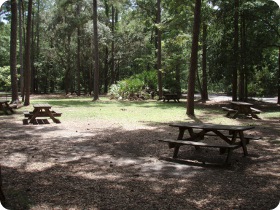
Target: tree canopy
x,y
138,36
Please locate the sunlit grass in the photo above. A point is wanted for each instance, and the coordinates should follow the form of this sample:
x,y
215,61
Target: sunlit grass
x,y
84,108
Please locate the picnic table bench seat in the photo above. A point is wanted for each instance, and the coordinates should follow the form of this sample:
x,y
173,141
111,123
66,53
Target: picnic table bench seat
x,y
223,147
201,144
228,109
13,106
30,114
256,111
247,138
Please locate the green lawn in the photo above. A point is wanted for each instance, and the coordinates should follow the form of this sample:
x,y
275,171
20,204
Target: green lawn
x,y
84,108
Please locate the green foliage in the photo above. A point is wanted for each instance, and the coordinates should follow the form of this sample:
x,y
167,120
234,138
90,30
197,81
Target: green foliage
x,y
4,44
131,45
5,78
139,85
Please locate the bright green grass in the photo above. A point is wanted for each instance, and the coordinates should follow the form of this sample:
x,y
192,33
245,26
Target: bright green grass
x,y
144,111
83,108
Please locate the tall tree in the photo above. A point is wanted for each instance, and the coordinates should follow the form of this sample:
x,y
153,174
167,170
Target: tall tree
x,y
193,61
278,101
96,53
20,47
204,93
158,32
13,51
27,75
78,52
235,51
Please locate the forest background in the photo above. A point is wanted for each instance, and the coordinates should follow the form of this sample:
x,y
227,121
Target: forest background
x,y
144,47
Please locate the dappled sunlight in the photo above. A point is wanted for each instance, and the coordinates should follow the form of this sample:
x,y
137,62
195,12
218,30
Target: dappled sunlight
x,y
14,160
93,159
98,176
38,166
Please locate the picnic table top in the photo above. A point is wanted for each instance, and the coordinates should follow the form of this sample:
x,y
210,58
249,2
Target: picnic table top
x,y
3,101
46,105
241,103
208,126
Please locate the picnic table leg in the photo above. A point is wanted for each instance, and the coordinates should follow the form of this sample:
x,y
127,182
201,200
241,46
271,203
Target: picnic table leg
x,y
228,160
177,147
51,116
243,143
3,108
254,115
35,114
235,114
9,108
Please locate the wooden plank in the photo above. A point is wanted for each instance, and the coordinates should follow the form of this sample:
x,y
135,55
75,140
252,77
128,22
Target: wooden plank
x,y
201,144
210,127
42,106
229,109
257,111
227,135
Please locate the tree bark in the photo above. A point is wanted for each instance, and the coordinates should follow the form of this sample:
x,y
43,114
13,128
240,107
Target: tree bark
x,y
68,68
78,53
13,52
193,61
20,48
204,94
278,101
235,51
242,61
159,70
113,67
27,77
96,53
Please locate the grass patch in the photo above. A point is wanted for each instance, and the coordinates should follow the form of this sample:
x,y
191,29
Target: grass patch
x,y
84,108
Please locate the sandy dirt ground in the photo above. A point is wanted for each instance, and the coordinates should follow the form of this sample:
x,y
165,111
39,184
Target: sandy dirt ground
x,y
107,164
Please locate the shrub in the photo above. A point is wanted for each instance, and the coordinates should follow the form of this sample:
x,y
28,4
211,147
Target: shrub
x,y
137,86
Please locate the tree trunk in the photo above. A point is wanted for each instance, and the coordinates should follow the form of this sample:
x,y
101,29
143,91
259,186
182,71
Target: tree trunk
x,y
159,70
96,53
78,53
278,101
106,58
235,51
204,93
13,52
37,51
193,61
32,54
20,48
178,78
68,68
242,61
27,77
106,70
113,68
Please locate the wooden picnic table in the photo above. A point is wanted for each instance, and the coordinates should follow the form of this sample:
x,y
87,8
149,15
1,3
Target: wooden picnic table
x,y
197,132
41,110
4,106
170,96
239,108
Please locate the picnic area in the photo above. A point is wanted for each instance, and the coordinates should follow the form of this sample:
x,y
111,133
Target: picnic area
x,y
106,155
